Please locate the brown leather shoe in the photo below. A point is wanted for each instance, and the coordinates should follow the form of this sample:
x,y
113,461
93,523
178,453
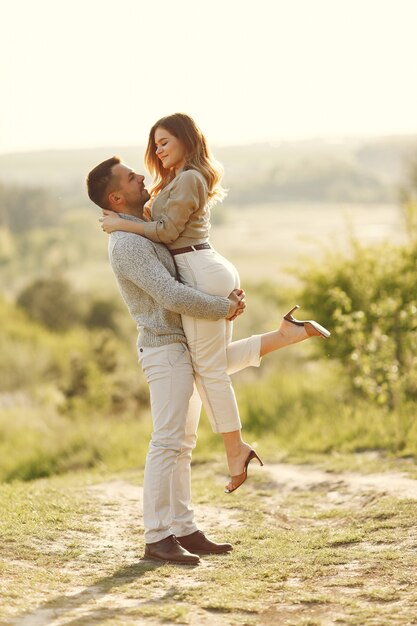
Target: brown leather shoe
x,y
198,543
169,549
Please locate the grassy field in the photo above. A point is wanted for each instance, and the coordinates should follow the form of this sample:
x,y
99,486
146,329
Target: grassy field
x,y
293,406
331,541
265,242
311,548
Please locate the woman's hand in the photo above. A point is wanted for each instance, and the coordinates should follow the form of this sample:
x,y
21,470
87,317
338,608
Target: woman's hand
x,y
110,221
147,211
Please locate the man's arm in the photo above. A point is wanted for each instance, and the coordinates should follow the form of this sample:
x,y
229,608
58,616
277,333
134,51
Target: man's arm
x,y
136,260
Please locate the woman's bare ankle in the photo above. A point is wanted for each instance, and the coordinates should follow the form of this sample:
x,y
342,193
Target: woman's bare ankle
x,y
236,461
238,450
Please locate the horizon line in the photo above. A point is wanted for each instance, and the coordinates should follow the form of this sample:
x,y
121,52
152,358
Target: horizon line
x,y
330,138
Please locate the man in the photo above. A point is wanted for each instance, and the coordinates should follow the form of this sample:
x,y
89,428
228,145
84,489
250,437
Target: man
x,y
146,275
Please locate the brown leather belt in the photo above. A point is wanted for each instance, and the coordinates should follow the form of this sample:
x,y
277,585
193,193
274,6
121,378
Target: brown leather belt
x,y
199,246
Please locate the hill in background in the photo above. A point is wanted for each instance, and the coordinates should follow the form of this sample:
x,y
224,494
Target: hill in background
x,y
349,170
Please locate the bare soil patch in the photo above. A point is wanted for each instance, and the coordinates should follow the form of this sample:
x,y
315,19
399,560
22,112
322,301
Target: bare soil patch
x,y
293,477
109,583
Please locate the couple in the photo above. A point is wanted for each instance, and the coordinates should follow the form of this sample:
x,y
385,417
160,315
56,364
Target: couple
x,y
183,296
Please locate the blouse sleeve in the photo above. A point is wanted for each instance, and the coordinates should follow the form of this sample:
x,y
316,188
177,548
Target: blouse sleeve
x,y
183,200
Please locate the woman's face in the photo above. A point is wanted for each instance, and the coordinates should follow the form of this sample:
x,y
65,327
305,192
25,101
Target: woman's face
x,y
169,149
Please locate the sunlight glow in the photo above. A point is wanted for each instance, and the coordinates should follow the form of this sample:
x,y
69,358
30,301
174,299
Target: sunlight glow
x,y
100,72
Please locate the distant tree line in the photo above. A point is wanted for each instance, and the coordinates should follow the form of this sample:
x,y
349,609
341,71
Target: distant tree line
x,y
308,179
360,170
25,208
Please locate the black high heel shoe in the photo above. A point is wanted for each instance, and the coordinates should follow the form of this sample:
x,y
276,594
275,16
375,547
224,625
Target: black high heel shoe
x,y
312,328
239,479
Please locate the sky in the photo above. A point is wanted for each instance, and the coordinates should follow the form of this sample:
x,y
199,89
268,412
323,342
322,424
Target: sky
x,y
99,72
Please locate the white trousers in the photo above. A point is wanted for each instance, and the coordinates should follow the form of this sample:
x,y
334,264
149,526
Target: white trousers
x,y
208,271
176,407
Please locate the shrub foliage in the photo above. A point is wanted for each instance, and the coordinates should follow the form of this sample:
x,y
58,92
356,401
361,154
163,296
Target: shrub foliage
x,y
369,298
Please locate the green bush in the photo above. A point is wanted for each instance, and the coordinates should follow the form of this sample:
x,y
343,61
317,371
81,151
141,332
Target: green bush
x,y
51,302
369,301
103,377
79,371
103,313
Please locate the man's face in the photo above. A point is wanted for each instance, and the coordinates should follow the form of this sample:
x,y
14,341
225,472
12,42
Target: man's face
x,y
130,186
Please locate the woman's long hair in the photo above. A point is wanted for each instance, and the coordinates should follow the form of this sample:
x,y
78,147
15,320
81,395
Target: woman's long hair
x,y
197,157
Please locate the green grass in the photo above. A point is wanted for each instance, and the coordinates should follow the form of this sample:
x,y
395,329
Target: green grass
x,y
69,549
35,443
294,412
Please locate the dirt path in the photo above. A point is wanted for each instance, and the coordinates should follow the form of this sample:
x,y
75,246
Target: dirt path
x,y
292,477
110,556
120,504
119,535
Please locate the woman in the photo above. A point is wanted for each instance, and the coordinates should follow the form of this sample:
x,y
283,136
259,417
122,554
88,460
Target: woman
x,y
186,185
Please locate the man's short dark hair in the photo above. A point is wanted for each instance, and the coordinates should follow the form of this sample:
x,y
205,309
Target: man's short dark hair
x,y
99,182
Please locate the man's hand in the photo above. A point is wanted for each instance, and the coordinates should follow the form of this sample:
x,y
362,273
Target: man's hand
x,y
237,304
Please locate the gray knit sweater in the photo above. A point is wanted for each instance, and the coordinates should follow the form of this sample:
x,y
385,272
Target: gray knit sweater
x,y
146,275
